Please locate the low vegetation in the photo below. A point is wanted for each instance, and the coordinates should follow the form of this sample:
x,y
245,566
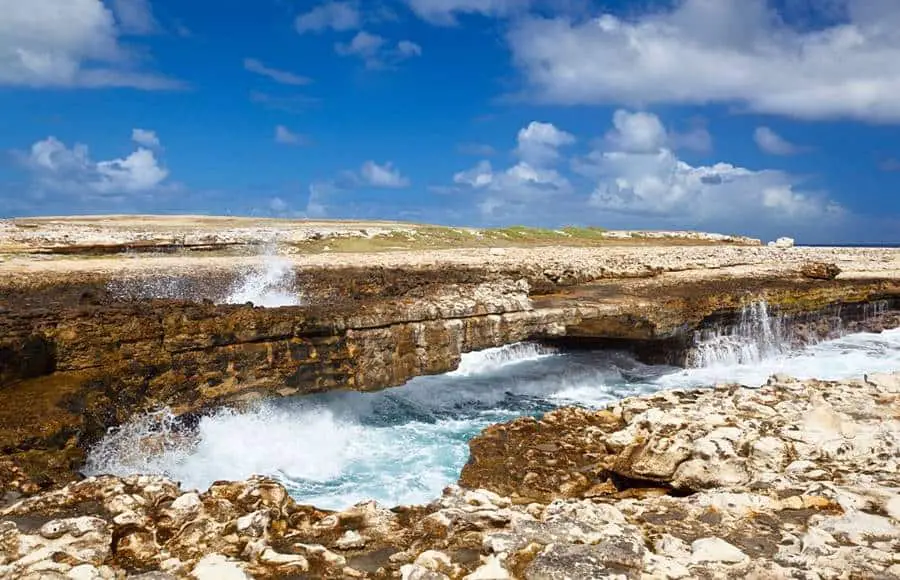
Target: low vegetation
x,y
442,237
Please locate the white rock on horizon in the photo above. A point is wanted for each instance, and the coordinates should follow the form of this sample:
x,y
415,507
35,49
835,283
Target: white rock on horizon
x,y
782,243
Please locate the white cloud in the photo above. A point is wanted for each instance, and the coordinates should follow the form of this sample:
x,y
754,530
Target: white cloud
x,y
529,181
145,138
408,48
279,76
376,51
637,132
726,51
364,45
285,136
385,176
339,16
633,178
539,143
774,144
67,43
652,181
324,195
71,170
135,16
513,191
445,11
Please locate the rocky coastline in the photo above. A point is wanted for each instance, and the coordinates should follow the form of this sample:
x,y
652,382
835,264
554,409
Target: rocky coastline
x,y
793,480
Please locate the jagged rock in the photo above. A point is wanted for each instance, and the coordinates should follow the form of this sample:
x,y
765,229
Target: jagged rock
x,y
562,562
817,496
820,271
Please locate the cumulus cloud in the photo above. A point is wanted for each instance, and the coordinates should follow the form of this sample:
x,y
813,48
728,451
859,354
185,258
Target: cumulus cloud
x,y
533,179
637,132
376,51
279,76
70,43
145,138
326,194
642,132
385,176
633,176
636,174
729,51
339,16
539,143
774,144
62,169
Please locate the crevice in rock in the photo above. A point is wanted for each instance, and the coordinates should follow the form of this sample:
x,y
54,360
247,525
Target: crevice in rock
x,y
623,483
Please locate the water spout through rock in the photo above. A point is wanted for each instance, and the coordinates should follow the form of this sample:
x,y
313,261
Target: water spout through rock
x,y
271,284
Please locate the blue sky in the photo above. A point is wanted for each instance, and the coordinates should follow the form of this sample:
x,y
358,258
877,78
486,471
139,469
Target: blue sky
x,y
747,116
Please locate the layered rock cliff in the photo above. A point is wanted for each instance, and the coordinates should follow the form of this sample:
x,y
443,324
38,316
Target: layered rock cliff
x,y
88,344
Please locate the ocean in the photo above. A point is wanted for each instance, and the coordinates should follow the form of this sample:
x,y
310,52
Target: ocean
x,y
404,445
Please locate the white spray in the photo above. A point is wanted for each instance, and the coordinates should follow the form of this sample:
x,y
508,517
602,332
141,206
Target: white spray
x,y
271,284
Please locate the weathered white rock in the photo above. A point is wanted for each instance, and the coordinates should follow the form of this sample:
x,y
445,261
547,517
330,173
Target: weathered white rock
x,y
218,567
350,540
783,243
715,550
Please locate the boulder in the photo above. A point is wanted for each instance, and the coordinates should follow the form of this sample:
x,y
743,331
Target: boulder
x,y
782,243
820,271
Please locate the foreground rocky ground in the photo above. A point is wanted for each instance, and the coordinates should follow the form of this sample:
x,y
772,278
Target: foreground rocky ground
x,y
792,480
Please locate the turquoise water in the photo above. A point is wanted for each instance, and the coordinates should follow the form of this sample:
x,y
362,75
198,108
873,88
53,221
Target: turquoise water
x,y
404,445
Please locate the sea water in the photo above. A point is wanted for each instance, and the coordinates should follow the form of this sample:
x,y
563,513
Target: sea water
x,y
404,445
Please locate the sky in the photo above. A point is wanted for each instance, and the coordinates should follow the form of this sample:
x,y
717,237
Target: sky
x,y
756,117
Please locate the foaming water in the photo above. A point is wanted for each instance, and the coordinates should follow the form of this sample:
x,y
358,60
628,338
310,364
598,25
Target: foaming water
x,y
849,356
758,335
271,284
403,445
493,359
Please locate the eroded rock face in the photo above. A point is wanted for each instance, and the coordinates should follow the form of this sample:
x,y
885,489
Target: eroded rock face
x,y
793,480
68,375
820,271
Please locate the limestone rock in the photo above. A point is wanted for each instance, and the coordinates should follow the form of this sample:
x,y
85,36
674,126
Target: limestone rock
x,y
715,550
820,271
783,242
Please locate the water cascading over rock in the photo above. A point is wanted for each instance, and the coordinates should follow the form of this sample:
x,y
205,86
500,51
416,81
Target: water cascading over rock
x,y
757,335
